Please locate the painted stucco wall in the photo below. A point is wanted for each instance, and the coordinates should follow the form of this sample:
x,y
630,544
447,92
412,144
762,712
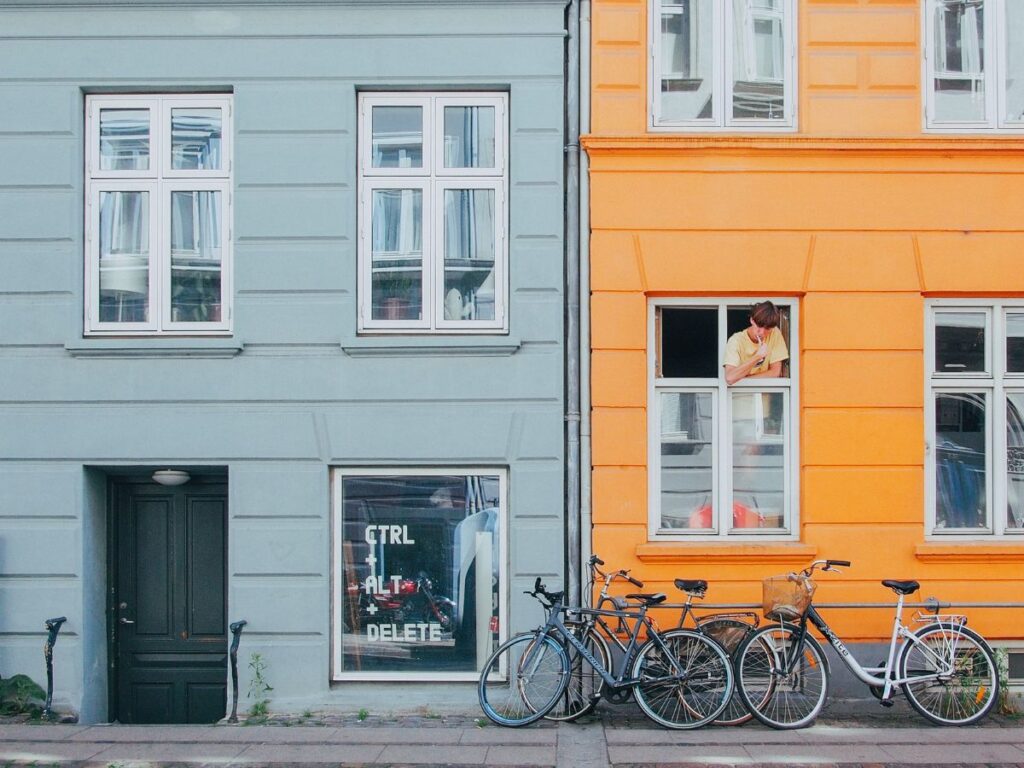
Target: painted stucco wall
x,y
862,218
294,391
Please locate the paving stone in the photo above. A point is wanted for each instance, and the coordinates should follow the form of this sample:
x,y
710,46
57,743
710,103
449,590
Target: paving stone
x,y
525,736
944,754
47,751
664,755
454,755
310,753
804,754
539,756
39,732
168,752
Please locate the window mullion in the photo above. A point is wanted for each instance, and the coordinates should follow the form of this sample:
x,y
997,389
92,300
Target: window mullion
x,y
722,452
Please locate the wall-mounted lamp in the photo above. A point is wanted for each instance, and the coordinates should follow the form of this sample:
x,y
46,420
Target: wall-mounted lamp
x,y
171,477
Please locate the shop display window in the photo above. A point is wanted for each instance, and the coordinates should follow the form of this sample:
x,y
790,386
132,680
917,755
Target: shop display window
x,y
418,572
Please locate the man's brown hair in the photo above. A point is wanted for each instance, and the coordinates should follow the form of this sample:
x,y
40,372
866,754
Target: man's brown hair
x,y
765,315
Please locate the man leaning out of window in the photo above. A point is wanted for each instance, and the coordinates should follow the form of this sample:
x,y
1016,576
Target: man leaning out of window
x,y
759,349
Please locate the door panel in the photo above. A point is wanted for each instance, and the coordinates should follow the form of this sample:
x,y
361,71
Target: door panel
x,y
169,612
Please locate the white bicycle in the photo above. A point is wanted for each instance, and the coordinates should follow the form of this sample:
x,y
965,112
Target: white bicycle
x,y
947,671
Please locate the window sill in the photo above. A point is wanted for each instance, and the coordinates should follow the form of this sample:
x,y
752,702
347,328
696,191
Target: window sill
x,y
970,552
747,552
385,346
153,347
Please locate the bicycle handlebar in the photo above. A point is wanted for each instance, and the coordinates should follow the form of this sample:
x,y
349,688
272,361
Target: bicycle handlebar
x,y
826,565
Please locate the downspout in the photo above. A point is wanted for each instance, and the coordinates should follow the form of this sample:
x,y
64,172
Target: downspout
x,y
572,304
586,513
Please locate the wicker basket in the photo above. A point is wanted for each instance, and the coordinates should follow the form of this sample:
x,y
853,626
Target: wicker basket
x,y
787,597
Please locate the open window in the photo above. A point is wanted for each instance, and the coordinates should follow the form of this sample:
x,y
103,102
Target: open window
x,y
726,463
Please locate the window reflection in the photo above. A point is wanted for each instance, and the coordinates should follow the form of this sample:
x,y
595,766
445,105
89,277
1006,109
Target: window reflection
x,y
397,140
959,29
960,466
420,562
687,479
124,257
960,342
758,459
124,139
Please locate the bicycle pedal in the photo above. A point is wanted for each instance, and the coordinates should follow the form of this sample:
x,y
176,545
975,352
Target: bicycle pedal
x,y
886,702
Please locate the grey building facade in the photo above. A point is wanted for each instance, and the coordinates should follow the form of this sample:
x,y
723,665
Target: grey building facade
x,y
308,256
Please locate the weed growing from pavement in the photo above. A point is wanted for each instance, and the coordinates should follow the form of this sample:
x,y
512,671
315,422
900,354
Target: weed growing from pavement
x,y
258,686
363,714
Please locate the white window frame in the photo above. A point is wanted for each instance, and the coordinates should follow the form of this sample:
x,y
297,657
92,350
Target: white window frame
x,y
433,178
159,180
338,474
995,383
722,432
722,67
996,46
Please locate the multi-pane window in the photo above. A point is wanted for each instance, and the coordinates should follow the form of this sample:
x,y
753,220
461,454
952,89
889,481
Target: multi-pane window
x,y
722,457
975,418
723,64
419,580
433,212
158,214
974,51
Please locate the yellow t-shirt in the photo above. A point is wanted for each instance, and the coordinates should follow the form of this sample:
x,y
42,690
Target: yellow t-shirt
x,y
740,348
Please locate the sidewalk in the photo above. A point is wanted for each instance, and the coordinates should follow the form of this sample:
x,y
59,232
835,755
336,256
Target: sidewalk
x,y
618,738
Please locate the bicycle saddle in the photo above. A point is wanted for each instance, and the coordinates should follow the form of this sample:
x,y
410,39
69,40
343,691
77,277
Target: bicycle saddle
x,y
651,599
692,585
902,587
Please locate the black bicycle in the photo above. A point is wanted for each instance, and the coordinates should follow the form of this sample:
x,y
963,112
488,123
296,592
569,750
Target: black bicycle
x,y
680,678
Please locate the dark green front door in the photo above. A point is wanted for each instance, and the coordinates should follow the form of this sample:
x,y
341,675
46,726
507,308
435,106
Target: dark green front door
x,y
169,623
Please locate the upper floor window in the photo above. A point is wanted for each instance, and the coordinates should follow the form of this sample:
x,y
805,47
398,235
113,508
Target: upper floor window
x,y
158,214
726,453
975,418
974,52
433,177
723,65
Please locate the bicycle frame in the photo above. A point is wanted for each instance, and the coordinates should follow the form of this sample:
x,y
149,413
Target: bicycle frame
x,y
888,681
554,622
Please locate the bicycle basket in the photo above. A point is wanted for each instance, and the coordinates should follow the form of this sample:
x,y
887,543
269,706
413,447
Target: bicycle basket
x,y
787,597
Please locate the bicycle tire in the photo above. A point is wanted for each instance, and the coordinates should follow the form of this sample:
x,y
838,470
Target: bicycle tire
x,y
690,701
730,634
522,680
583,692
777,697
964,696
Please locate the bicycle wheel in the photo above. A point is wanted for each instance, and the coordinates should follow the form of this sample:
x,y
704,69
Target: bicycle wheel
x,y
685,684
777,689
729,633
959,682
583,692
522,680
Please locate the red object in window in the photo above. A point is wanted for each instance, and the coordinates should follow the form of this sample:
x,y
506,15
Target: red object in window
x,y
742,517
493,624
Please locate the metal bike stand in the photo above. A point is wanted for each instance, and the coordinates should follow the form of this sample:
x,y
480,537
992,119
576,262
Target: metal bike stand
x,y
236,631
53,625
932,604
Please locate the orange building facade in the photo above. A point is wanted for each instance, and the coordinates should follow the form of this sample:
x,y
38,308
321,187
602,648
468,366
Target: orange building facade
x,y
877,198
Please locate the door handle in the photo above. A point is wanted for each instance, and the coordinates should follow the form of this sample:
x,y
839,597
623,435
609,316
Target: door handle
x,y
123,620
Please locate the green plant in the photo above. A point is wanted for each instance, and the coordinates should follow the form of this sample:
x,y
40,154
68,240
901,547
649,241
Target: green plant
x,y
258,686
306,714
363,714
1005,705
20,695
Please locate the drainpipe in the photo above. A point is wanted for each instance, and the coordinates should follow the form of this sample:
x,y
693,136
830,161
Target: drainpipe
x,y
586,515
572,303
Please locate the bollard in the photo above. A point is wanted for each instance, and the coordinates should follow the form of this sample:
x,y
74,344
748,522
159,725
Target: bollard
x,y
54,626
236,630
